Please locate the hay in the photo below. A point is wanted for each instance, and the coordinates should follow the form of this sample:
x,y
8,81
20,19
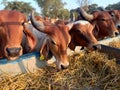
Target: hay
x,y
87,71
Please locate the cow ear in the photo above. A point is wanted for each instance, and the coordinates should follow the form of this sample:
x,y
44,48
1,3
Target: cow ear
x,y
45,51
72,45
96,30
32,41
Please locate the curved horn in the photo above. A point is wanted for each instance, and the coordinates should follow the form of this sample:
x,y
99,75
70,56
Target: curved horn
x,y
70,25
72,16
37,24
87,16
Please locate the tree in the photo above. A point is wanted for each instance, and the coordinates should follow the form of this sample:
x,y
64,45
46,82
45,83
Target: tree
x,y
84,4
18,5
94,7
52,8
64,14
113,6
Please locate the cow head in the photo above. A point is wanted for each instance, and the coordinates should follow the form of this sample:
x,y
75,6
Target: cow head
x,y
82,35
57,41
115,14
103,22
11,31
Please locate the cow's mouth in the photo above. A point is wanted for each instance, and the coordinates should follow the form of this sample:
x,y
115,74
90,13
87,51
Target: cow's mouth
x,y
13,53
11,58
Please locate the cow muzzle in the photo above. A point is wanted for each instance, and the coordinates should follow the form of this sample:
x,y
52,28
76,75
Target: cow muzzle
x,y
116,33
118,27
113,34
63,66
13,53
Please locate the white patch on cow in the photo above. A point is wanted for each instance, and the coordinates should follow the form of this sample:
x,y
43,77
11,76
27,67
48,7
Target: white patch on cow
x,y
51,61
83,22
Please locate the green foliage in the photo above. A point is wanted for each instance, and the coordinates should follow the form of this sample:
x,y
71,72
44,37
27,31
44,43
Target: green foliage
x,y
53,8
19,6
113,6
64,14
92,7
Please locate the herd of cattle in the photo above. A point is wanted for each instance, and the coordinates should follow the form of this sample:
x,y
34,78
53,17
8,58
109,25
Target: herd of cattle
x,y
18,35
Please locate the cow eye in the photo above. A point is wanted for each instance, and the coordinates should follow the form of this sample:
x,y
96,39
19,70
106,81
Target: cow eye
x,y
102,19
23,23
53,42
112,14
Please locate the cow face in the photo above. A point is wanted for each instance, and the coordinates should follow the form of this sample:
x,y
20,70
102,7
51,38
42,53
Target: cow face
x,y
12,28
115,14
105,24
82,35
57,41
103,21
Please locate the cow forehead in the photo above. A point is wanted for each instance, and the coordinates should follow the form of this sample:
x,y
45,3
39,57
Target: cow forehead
x,y
83,22
103,14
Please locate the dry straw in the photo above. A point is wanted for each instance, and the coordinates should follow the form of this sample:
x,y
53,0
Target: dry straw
x,y
87,71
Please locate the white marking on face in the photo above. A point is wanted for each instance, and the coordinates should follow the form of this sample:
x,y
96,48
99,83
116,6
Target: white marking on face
x,y
83,22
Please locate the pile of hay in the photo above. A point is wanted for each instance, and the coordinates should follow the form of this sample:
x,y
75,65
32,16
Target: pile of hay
x,y
87,71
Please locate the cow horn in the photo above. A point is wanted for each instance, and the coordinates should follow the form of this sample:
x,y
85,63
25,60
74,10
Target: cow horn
x,y
87,16
72,16
70,25
37,24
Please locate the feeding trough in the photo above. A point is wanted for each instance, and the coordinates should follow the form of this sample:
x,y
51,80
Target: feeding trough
x,y
30,62
26,63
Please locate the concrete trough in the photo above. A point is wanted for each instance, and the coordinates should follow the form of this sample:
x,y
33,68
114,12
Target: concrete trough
x,y
26,63
30,62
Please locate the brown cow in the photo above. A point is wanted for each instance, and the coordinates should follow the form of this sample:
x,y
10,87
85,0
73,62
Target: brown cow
x,y
116,17
11,31
82,35
54,40
104,25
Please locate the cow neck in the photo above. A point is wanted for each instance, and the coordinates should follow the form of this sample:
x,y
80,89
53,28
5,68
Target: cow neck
x,y
10,23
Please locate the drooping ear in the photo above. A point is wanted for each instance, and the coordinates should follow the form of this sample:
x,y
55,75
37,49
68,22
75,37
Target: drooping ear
x,y
96,30
45,50
31,39
72,45
72,42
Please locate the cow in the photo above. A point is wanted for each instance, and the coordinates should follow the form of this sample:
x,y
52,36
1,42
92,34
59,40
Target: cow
x,y
115,14
102,20
53,40
12,28
82,35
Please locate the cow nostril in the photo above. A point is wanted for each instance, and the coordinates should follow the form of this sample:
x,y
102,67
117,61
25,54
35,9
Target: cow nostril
x,y
118,26
13,51
17,50
64,67
8,50
116,33
94,47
